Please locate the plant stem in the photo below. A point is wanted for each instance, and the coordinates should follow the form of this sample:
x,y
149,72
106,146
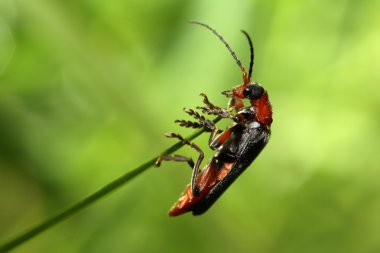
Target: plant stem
x,y
67,213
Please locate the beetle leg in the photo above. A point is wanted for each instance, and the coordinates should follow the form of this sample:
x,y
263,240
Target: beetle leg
x,y
196,167
191,124
207,102
211,109
204,122
216,141
188,124
176,158
223,113
235,103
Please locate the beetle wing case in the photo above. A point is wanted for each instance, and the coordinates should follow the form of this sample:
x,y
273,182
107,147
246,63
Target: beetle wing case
x,y
255,140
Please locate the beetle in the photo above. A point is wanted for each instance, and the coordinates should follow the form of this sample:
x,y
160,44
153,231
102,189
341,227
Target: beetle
x,y
235,148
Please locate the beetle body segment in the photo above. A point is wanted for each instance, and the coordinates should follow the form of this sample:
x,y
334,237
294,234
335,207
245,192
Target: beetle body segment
x,y
263,109
206,181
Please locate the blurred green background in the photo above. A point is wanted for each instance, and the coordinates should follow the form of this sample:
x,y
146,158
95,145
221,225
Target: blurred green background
x,y
87,88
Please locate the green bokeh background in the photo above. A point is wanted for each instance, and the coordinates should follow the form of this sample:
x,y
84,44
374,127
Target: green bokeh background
x,y
87,88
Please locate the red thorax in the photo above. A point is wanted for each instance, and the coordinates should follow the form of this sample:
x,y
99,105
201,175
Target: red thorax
x,y
263,109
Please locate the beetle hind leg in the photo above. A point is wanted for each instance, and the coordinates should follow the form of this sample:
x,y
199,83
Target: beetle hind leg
x,y
196,166
175,158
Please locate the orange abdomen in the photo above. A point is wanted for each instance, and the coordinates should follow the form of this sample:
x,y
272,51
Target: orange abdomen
x,y
206,180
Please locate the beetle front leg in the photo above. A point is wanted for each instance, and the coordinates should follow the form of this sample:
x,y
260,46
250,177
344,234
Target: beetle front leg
x,y
223,113
235,103
203,121
196,166
211,109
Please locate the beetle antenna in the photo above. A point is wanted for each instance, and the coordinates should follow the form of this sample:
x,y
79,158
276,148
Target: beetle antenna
x,y
252,54
246,80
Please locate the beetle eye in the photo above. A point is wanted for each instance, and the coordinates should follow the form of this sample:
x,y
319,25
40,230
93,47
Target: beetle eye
x,y
253,91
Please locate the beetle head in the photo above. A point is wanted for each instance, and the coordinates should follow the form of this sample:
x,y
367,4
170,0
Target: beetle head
x,y
251,91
